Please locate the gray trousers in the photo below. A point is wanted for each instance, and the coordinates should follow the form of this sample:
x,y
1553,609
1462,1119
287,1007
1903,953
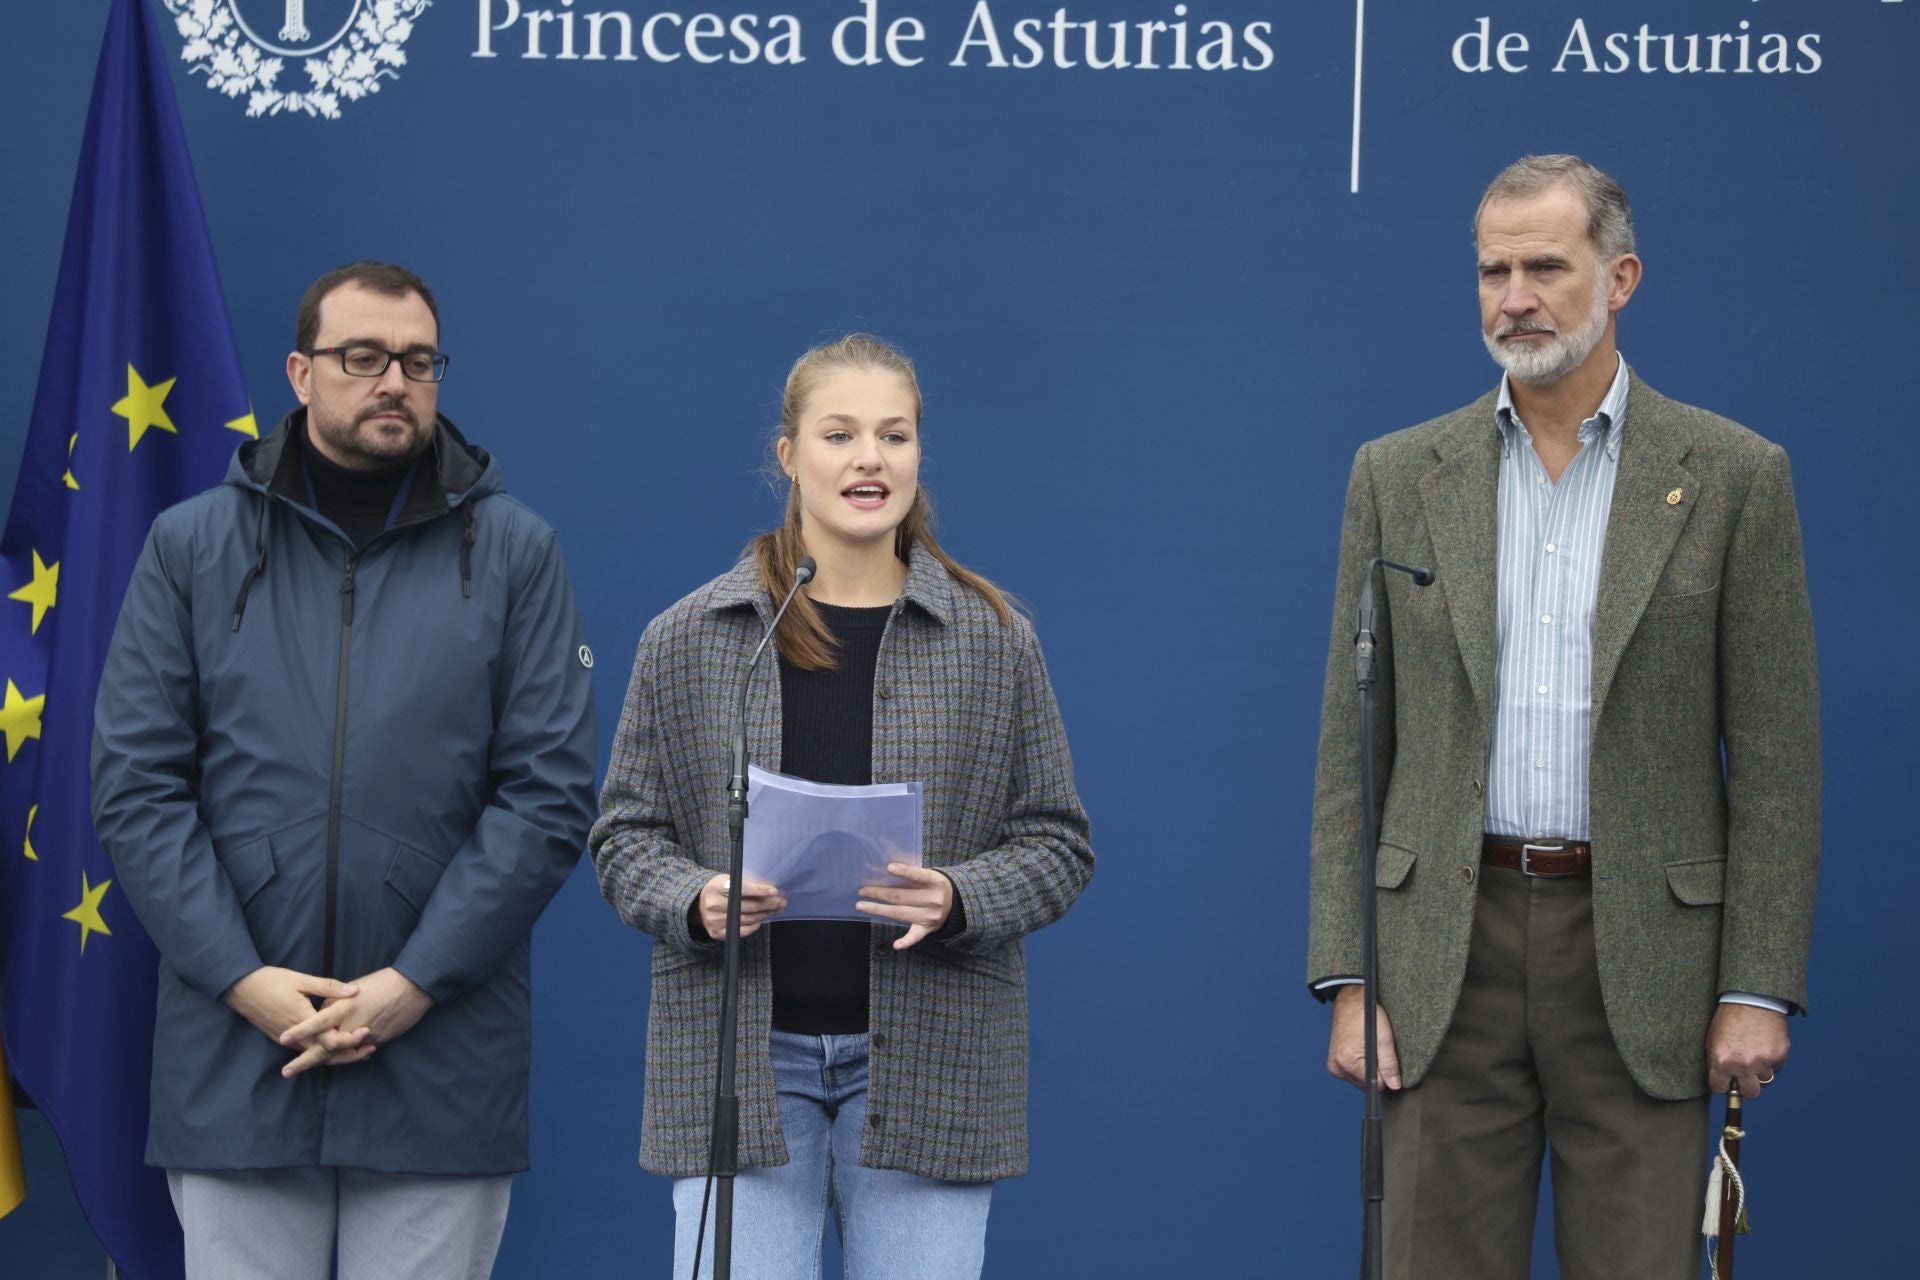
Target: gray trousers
x,y
1527,1063
284,1224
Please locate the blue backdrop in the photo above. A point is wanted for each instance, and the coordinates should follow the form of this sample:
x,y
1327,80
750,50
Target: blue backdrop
x,y
1154,319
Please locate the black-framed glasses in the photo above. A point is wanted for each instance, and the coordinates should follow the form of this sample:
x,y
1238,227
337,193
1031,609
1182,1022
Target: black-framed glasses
x,y
371,362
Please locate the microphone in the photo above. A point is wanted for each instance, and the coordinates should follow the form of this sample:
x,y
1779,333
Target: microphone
x,y
737,782
1372,1147
1368,617
723,1153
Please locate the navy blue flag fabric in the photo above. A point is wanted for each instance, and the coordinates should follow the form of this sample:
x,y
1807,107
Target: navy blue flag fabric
x,y
140,404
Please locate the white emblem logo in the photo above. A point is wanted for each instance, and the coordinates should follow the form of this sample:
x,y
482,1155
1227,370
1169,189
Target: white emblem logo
x,y
586,657
344,49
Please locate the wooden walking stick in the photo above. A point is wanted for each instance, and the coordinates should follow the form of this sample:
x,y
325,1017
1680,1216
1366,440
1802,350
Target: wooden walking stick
x,y
1726,1214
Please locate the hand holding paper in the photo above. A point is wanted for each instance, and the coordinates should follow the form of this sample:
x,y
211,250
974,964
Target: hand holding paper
x,y
826,845
923,905
758,901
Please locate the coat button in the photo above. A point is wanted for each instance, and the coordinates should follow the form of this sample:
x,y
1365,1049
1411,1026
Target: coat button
x,y
883,692
877,1039
1476,786
1466,873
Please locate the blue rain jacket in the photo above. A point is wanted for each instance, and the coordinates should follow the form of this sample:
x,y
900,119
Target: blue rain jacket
x,y
334,762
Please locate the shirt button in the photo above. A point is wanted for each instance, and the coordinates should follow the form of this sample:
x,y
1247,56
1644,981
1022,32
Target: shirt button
x,y
1541,690
1539,835
1552,547
1546,617
1539,764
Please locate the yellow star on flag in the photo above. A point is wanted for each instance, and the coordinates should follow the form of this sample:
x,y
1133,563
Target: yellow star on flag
x,y
72,440
245,426
31,815
41,591
144,407
20,719
87,914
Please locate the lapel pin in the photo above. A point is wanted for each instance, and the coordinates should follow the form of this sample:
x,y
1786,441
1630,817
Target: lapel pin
x,y
1674,496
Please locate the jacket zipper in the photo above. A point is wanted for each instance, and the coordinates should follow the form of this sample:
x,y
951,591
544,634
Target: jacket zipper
x,y
339,758
340,734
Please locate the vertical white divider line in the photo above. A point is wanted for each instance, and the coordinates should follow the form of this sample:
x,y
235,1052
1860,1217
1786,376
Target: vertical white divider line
x,y
1359,46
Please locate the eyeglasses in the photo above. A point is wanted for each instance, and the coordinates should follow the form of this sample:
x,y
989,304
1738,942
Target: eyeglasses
x,y
371,362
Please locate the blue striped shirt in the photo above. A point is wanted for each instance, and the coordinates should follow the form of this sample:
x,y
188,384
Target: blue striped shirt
x,y
1552,535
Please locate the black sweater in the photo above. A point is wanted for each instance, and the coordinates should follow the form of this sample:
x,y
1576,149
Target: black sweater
x,y
820,966
360,502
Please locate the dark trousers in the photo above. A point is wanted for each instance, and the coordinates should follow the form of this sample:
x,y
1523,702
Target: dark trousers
x,y
1528,1065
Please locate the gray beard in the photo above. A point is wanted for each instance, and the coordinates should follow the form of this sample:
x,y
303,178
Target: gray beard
x,y
1561,354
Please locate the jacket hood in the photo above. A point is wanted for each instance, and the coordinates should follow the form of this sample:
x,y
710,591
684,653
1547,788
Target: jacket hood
x,y
271,465
455,473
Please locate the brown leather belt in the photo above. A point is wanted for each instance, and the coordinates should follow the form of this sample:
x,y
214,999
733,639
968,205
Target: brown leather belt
x,y
1554,859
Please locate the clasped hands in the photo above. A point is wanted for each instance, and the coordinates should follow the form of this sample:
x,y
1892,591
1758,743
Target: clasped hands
x,y
354,1018
922,904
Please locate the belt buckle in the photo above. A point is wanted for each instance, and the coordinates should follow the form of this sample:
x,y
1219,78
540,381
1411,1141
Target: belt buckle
x,y
1526,867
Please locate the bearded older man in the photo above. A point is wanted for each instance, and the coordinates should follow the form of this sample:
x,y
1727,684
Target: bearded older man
x,y
1601,825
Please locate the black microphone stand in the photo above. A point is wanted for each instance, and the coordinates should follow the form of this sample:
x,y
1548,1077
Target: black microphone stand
x,y
725,1158
1372,1156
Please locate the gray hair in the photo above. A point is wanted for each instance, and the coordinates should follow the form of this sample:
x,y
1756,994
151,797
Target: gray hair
x,y
1609,216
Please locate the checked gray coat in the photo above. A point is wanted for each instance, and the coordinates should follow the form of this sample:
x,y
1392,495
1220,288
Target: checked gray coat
x,y
961,703
1703,863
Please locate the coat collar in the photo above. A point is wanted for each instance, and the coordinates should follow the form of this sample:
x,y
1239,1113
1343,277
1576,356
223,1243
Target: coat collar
x,y
1461,494
929,587
1653,497
457,470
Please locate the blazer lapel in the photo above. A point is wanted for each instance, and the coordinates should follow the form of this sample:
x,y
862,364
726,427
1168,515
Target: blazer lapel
x,y
1642,526
1462,500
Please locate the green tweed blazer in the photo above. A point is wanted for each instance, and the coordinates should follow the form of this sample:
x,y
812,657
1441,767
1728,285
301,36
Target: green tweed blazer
x,y
961,703
1705,769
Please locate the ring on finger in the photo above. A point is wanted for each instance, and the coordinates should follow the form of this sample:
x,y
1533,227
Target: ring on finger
x,y
1767,1080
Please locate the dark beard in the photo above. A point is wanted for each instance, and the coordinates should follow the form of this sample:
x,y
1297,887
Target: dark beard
x,y
371,451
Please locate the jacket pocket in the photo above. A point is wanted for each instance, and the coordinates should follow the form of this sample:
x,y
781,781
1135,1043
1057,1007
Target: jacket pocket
x,y
249,867
669,959
1683,603
1698,882
413,875
1393,866
1002,963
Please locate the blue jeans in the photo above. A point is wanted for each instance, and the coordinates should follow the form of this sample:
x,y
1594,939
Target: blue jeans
x,y
891,1223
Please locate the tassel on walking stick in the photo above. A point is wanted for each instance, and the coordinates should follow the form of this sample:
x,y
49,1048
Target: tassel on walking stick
x,y
1726,1214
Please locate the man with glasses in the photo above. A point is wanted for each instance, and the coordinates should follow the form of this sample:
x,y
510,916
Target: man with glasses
x,y
343,757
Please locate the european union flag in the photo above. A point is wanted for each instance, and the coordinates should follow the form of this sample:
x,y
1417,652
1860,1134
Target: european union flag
x,y
140,404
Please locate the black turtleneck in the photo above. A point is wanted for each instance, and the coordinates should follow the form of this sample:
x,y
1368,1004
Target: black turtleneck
x,y
360,502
